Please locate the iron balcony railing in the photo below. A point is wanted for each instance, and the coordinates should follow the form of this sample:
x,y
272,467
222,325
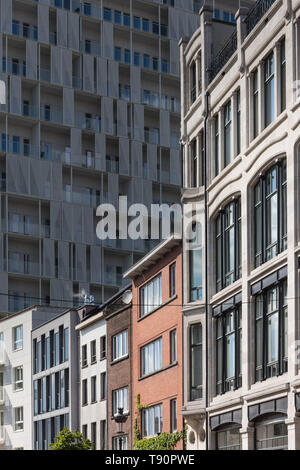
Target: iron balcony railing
x,y
223,56
257,12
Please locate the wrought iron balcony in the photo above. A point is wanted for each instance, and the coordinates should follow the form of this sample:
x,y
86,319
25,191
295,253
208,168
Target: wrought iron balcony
x,y
223,56
256,13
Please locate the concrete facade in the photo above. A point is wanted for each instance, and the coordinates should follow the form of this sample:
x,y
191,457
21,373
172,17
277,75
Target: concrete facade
x,y
93,409
17,392
252,117
157,373
55,378
92,112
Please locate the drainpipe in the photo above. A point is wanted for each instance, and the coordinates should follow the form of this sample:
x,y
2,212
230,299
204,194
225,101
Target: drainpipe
x,y
206,269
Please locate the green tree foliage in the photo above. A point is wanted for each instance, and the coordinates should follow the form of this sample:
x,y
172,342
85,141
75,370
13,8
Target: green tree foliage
x,y
67,440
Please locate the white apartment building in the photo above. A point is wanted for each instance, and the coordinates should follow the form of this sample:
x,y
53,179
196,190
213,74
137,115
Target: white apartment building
x,y
92,113
16,424
240,136
93,384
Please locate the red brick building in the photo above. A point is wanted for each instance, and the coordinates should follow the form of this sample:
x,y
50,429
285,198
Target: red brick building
x,y
156,339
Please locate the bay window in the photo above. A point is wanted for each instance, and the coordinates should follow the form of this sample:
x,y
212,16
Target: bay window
x,y
228,245
270,214
228,350
271,330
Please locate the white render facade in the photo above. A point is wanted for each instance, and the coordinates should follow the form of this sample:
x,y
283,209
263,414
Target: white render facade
x,y
92,112
92,383
16,430
241,341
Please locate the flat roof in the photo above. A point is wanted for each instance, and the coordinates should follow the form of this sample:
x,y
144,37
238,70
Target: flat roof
x,y
152,257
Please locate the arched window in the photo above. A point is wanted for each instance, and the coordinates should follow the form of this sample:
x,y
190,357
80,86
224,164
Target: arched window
x,y
271,433
228,245
229,437
270,214
196,376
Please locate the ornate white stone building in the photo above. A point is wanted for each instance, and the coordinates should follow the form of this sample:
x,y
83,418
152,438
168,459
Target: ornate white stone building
x,y
241,144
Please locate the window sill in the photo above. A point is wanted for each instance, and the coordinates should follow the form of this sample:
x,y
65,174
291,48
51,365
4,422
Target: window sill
x,y
125,414
170,366
158,308
93,362
116,361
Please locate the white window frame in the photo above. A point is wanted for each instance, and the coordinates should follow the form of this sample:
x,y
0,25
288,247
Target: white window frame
x,y
150,363
149,299
18,382
120,400
17,341
19,424
120,345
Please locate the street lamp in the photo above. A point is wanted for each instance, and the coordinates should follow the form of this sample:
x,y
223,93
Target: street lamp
x,y
120,419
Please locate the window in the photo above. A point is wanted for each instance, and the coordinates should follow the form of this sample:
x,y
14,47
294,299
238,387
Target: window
x,y
136,22
150,296
18,378
217,145
228,241
271,343
195,263
94,434
117,54
120,345
270,214
107,14
194,164
84,356
151,357
57,350
120,442
173,346
18,419
196,379
1,347
269,90
227,134
93,389
84,392
120,400
136,59
102,348
228,351
255,103
146,25
152,421
117,17
282,75
127,56
103,434
93,352
271,434
103,386
146,61
126,19
193,81
84,431
18,337
66,344
1,424
238,122
155,63
229,438
173,406
172,274
1,387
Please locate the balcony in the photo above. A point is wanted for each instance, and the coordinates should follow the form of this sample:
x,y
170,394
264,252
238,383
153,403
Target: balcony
x,y
26,225
149,98
86,9
82,196
90,47
19,302
24,30
112,166
256,13
53,37
14,66
23,266
117,244
44,74
29,110
114,279
77,82
51,114
89,122
151,136
223,56
18,147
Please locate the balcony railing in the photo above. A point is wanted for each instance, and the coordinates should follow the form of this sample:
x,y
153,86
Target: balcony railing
x,y
51,114
80,196
44,74
90,47
86,9
14,67
18,302
30,110
114,279
24,30
53,37
20,148
257,12
223,56
30,227
23,267
92,123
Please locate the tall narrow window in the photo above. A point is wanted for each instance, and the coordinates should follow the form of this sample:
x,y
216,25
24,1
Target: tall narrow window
x,y
93,389
228,245
103,386
217,145
271,343
102,348
120,345
282,75
196,376
238,122
194,165
18,338
270,214
195,261
227,134
93,352
269,90
84,392
228,354
255,103
173,347
84,355
173,405
193,83
172,274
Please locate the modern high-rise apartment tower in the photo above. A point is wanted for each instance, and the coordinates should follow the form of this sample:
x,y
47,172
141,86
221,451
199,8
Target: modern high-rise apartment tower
x,y
92,112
